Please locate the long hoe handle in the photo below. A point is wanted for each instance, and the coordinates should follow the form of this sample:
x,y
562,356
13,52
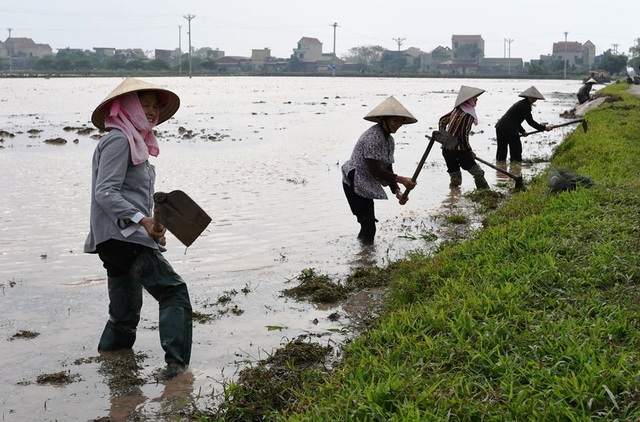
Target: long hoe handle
x,y
518,179
405,195
584,126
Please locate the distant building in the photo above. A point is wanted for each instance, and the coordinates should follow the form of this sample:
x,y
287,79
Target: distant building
x,y
588,54
259,57
571,51
130,53
167,55
310,55
233,64
26,47
466,53
467,47
309,50
501,66
105,52
429,62
458,67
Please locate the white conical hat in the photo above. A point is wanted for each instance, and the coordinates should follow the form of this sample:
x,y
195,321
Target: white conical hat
x,y
390,108
466,93
531,92
591,81
168,107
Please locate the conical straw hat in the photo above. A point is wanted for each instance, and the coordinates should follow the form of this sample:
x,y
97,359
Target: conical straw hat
x,y
390,108
591,81
170,102
466,93
531,92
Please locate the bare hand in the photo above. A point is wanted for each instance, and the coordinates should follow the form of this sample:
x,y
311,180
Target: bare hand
x,y
401,198
406,182
155,232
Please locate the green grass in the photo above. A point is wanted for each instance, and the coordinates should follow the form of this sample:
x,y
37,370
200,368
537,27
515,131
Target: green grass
x,y
535,318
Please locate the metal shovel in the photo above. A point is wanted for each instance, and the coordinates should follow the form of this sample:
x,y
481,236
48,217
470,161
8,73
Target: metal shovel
x,y
180,215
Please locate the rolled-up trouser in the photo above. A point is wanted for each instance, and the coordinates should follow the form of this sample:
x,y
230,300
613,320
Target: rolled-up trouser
x,y
149,269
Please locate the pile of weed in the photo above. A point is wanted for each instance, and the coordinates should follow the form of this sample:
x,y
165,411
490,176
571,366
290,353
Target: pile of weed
x,y
274,384
316,288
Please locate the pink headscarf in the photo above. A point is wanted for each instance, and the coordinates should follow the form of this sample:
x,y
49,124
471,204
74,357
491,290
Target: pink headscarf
x,y
126,114
470,108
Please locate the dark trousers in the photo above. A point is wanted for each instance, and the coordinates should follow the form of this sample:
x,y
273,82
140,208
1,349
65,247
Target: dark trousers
x,y
364,211
130,268
511,141
456,159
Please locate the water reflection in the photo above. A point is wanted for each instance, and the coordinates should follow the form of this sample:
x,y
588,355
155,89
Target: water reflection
x,y
124,374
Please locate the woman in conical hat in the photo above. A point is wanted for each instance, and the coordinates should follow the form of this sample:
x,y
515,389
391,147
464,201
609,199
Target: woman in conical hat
x,y
509,127
371,165
122,231
584,93
458,122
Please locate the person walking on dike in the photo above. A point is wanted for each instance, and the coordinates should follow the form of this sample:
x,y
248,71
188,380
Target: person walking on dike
x,y
371,166
509,128
122,231
585,90
458,123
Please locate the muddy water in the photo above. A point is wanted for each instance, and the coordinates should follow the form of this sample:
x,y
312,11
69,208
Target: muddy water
x,y
262,157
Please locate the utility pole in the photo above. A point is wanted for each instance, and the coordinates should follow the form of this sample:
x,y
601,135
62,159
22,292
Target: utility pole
x,y
509,40
564,56
333,64
615,49
399,41
189,17
10,50
179,49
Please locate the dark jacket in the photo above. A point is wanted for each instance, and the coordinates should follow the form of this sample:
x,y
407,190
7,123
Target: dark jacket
x,y
583,93
513,118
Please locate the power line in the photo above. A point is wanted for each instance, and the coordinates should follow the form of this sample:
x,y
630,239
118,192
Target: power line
x,y
189,18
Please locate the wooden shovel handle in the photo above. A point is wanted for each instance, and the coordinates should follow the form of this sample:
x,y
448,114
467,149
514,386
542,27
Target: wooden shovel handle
x,y
158,198
561,125
405,195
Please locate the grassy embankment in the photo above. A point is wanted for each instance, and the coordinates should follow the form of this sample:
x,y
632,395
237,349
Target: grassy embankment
x,y
535,318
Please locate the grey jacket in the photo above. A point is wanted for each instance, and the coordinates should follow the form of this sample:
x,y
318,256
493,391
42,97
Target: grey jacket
x,y
121,194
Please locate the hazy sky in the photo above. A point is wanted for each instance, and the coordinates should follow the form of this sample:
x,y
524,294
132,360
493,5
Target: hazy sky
x,y
238,26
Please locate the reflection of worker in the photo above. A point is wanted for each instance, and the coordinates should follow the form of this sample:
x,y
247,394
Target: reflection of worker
x,y
584,91
122,230
370,166
458,123
509,127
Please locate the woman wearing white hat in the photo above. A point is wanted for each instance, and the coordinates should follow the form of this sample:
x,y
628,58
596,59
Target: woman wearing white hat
x,y
585,90
122,230
458,122
371,166
509,127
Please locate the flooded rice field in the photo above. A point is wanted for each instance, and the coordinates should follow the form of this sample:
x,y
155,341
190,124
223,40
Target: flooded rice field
x,y
262,156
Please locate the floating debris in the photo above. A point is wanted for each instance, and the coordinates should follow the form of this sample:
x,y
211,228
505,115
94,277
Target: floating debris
x,y
55,141
24,334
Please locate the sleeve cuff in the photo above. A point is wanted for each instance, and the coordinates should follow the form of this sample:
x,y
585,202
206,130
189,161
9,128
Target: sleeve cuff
x,y
136,218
